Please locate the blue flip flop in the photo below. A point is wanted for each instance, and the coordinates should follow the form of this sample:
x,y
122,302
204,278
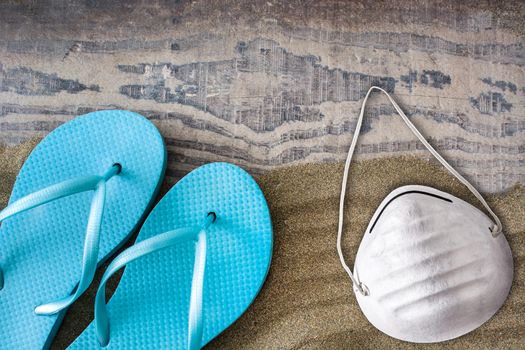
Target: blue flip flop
x,y
78,197
201,258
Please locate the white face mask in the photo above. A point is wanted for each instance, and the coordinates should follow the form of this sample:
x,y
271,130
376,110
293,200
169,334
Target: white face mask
x,y
430,267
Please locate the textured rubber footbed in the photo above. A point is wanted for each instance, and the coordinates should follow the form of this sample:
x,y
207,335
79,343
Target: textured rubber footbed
x,y
149,309
41,249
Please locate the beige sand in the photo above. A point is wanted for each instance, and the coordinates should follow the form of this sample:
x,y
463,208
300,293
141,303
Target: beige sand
x,y
307,302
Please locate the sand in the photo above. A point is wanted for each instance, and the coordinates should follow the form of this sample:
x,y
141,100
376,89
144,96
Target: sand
x,y
307,301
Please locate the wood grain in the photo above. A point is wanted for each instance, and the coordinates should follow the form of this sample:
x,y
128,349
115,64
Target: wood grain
x,y
270,83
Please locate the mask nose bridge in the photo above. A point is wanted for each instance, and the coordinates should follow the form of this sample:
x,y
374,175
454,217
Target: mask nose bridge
x,y
406,198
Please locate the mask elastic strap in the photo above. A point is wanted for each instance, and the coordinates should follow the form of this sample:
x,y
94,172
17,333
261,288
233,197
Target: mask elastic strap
x,y
495,229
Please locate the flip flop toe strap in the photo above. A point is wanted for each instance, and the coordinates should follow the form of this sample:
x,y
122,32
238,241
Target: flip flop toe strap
x,y
91,241
153,244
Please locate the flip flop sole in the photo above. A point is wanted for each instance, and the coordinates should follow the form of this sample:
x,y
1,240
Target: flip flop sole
x,y
150,306
41,249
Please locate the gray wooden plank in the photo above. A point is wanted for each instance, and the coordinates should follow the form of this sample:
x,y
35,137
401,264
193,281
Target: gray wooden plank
x,y
266,84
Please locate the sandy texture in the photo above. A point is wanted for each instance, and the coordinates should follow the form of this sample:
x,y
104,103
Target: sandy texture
x,y
307,302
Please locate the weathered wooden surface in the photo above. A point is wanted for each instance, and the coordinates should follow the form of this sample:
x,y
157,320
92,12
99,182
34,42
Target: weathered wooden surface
x,y
270,83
